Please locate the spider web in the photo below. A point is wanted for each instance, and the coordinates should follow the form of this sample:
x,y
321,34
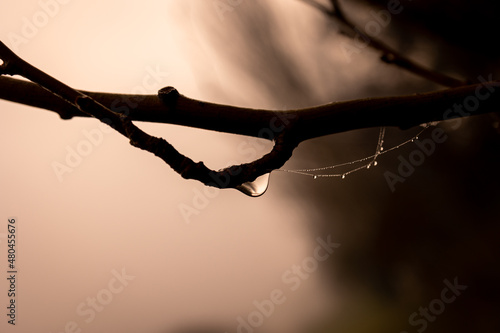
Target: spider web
x,y
328,171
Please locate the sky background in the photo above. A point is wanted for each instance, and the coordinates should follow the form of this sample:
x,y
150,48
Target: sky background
x,y
120,207
119,210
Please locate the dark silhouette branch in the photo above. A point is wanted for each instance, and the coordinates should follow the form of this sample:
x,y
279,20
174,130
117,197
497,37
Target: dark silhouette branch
x,y
388,54
150,108
399,111
231,177
286,128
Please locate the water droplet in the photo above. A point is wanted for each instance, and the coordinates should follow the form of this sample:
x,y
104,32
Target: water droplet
x,y
416,137
381,148
368,166
255,188
343,176
375,163
315,177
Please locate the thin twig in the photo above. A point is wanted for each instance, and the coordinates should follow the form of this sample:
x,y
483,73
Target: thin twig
x,y
389,55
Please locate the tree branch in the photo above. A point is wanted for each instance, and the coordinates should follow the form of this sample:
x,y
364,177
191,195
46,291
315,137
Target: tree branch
x,y
389,55
231,177
150,108
286,128
399,111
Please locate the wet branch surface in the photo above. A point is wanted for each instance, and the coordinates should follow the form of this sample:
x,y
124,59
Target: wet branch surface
x,y
287,128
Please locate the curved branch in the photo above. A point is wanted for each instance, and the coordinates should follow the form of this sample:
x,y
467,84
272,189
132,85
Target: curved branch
x,y
286,128
231,177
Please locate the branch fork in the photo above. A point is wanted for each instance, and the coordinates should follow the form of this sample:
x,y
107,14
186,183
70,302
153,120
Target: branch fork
x,y
292,127
234,176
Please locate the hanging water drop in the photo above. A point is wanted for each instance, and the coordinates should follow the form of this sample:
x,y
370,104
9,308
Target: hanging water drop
x,y
255,188
315,177
381,148
343,176
368,166
375,163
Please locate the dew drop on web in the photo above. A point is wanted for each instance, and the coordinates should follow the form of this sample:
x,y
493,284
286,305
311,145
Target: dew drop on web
x,y
255,188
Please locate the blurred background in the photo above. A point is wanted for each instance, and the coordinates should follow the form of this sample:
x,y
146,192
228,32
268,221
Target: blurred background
x,y
195,259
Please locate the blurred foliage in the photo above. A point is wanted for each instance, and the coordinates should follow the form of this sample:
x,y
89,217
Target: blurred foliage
x,y
442,222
